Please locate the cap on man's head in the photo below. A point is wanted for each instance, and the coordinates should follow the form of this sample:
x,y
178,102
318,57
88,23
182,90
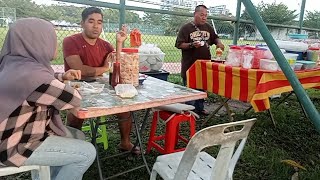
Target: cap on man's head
x,y
90,10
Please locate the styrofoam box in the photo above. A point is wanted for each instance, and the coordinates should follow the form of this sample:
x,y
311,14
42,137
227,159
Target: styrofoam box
x,y
148,62
292,46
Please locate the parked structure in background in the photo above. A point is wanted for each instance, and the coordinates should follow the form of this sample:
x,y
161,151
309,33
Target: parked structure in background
x,y
188,4
7,16
67,26
191,4
219,10
169,4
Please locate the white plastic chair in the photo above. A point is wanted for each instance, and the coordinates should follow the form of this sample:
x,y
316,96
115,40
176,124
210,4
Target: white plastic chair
x,y
192,164
43,171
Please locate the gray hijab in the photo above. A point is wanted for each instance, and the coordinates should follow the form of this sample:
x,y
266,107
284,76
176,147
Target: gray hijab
x,y
25,58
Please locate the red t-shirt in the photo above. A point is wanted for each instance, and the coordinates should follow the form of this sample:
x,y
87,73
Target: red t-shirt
x,y
91,55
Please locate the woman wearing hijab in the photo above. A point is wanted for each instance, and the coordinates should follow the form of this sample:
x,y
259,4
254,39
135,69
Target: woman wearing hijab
x,y
31,130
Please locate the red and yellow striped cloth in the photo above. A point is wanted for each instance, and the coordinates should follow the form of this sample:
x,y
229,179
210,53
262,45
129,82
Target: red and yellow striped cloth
x,y
248,85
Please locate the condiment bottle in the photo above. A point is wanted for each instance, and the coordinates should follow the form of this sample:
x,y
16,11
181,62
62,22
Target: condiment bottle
x,y
116,67
115,79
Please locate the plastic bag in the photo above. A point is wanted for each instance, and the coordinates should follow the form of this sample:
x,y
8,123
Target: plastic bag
x,y
126,90
91,88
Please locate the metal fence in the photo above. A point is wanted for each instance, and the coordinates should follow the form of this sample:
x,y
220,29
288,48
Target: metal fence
x,y
7,16
67,20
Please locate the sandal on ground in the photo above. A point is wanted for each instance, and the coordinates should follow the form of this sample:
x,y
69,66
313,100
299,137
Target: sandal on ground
x,y
135,151
202,113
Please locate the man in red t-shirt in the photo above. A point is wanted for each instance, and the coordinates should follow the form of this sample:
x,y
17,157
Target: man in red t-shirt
x,y
87,52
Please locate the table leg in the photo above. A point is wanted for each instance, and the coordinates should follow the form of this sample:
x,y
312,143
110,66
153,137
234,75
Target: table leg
x,y
214,112
282,100
94,130
303,110
138,133
246,111
144,122
271,116
225,104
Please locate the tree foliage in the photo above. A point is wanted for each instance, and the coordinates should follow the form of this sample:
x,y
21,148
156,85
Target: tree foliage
x,y
154,19
24,8
312,19
226,26
173,22
72,14
273,13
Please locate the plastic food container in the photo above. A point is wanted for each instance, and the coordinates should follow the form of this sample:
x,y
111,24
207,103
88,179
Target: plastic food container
x,y
270,65
298,36
90,88
142,77
258,54
126,90
292,46
150,62
247,57
300,54
129,65
234,56
307,64
291,58
313,54
298,66
267,53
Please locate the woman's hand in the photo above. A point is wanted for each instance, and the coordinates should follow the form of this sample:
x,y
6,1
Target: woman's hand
x,y
122,35
71,74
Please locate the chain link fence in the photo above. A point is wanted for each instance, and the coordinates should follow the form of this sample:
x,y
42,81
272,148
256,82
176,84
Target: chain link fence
x,y
67,16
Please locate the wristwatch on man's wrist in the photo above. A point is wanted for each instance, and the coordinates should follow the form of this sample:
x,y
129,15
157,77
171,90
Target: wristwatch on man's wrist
x,y
191,45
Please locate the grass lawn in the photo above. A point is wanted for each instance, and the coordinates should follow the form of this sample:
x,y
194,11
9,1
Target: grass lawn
x,y
293,138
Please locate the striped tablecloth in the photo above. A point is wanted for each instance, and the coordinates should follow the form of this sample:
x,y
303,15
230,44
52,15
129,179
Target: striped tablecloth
x,y
248,85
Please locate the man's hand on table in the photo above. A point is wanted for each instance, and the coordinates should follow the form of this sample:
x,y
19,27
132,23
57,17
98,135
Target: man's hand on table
x,y
71,74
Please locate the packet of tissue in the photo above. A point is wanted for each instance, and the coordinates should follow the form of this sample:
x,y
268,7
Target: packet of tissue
x,y
126,90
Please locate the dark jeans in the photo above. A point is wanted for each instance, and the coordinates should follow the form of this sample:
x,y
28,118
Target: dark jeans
x,y
198,104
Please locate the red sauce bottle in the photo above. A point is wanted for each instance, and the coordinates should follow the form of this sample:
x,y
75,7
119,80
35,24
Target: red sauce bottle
x,y
115,79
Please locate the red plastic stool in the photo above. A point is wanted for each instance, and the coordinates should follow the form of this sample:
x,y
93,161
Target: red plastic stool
x,y
171,135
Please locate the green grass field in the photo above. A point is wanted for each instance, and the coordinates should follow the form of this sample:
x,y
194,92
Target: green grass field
x,y
293,138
